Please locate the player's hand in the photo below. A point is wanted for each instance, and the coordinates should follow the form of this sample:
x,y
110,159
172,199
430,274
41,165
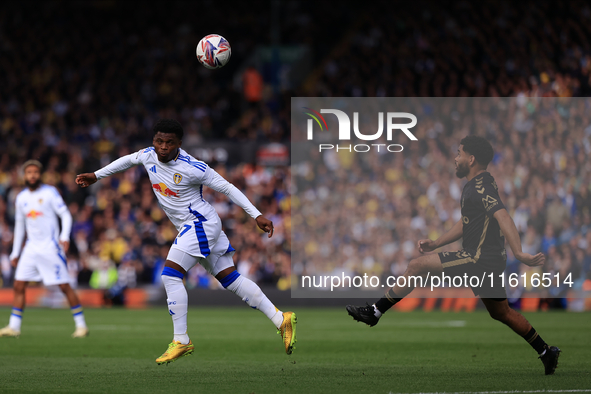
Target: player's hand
x,y
65,245
531,260
85,180
426,245
14,262
265,224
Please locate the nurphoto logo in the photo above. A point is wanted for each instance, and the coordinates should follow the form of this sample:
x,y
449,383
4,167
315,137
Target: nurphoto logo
x,y
345,130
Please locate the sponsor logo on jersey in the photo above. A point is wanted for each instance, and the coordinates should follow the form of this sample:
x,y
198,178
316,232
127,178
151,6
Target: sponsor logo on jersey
x,y
34,214
164,190
177,178
489,202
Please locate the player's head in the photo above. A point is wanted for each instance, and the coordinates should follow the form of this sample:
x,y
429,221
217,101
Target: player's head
x,y
168,126
32,170
474,152
168,138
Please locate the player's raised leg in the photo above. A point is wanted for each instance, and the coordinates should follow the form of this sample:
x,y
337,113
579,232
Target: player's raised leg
x,y
370,314
76,309
252,294
500,310
13,329
178,302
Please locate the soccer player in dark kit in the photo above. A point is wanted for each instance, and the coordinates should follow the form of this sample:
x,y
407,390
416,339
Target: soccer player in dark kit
x,y
484,225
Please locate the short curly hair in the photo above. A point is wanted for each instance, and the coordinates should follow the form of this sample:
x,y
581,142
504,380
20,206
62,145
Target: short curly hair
x,y
478,147
168,126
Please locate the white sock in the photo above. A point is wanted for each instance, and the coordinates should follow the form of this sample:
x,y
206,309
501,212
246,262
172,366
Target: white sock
x,y
177,306
376,313
78,316
182,338
252,294
79,321
15,319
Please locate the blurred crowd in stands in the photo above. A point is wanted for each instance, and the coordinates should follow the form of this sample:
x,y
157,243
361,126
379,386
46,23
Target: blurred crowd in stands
x,y
83,82
462,49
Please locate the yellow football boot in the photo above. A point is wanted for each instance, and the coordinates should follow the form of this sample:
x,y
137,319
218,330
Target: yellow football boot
x,y
175,350
81,332
288,331
9,332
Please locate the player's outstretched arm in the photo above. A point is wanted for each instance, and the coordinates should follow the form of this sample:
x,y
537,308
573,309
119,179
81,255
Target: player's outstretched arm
x,y
511,234
121,164
455,233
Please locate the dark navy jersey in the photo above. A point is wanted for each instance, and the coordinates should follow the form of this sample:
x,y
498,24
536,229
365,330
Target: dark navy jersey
x,y
482,235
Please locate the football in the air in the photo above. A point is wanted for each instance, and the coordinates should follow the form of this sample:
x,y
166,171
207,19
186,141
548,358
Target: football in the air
x,y
213,51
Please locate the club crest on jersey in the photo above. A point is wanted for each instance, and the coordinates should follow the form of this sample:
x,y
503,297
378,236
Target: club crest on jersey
x,y
164,190
177,178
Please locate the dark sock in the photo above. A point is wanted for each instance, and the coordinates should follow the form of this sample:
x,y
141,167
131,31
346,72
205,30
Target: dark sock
x,y
535,340
387,301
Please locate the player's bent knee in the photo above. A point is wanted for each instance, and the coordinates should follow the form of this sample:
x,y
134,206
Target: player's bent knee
x,y
413,266
420,266
229,279
498,309
171,272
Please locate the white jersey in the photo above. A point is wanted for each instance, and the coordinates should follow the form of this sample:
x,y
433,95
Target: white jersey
x,y
178,185
37,212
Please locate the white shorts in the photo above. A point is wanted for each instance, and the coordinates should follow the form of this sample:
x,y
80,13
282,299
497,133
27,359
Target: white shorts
x,y
204,243
49,266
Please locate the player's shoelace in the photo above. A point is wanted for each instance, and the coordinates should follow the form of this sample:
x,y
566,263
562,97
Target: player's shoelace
x,y
171,346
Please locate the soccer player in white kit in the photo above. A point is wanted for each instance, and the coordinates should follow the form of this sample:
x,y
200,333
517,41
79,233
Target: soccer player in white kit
x,y
177,179
44,254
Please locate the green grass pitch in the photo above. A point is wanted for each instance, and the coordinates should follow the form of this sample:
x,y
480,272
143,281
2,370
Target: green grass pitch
x,y
237,351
